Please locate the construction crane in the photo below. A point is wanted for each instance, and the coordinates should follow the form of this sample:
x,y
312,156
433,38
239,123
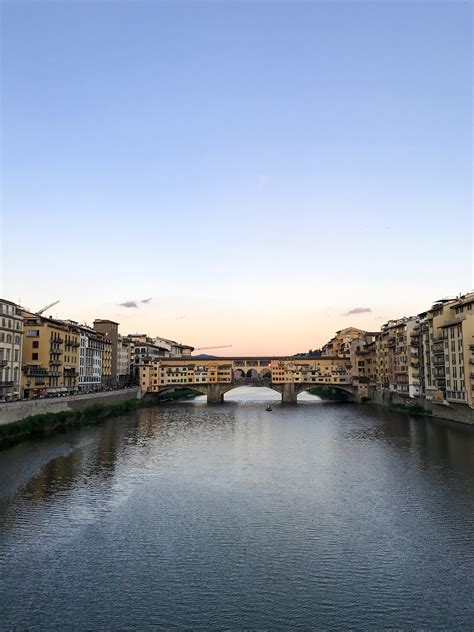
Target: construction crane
x,y
40,311
215,347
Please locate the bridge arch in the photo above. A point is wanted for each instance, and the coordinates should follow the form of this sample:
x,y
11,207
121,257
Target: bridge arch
x,y
230,387
199,388
252,373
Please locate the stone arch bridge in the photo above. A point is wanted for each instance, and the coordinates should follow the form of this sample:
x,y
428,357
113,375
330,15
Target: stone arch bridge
x,y
214,377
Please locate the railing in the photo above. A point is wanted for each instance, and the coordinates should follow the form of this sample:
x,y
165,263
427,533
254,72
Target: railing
x,y
4,383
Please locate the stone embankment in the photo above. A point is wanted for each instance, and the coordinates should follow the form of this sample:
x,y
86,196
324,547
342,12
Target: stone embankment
x,y
22,420
460,413
15,411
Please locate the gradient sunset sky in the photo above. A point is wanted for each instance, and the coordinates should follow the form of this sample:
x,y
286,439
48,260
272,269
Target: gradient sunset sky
x,y
258,169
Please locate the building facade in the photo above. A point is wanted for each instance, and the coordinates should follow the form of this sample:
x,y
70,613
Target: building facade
x,y
95,360
109,329
11,345
124,359
49,356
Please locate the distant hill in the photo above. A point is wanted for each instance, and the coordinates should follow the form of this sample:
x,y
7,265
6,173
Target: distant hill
x,y
204,356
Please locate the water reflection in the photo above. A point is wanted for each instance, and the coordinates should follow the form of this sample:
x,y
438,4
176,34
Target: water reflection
x,y
191,516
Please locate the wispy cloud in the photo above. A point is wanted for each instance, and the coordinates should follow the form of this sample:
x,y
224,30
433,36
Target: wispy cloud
x,y
129,304
135,304
358,310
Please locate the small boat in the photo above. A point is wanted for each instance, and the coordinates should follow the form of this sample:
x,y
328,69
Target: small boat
x,y
268,409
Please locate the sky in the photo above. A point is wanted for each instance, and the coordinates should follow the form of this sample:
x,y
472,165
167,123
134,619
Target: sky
x,y
258,170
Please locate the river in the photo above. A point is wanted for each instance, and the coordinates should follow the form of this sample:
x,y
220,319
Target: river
x,y
188,516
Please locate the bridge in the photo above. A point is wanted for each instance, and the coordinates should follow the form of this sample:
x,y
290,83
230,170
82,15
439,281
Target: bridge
x,y
214,377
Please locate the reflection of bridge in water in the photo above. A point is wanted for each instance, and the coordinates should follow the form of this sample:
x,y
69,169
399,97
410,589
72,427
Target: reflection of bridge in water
x,y
215,377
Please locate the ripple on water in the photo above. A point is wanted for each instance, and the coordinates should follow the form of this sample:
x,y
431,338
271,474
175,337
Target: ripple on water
x,y
227,517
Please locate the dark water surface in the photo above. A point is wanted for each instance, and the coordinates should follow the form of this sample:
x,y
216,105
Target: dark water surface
x,y
317,516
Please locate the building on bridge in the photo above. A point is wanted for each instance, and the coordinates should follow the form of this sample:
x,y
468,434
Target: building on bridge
x,y
214,377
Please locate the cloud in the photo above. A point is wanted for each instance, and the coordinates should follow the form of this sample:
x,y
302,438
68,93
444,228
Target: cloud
x,y
135,304
358,310
129,304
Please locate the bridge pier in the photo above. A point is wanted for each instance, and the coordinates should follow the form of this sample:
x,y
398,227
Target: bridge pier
x,y
215,394
288,393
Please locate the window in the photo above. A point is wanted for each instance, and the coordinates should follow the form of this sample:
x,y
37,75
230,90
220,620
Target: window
x,y
35,344
34,356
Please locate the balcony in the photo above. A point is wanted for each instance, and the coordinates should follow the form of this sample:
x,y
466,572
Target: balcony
x,y
3,362
55,362
34,370
55,352
58,340
6,383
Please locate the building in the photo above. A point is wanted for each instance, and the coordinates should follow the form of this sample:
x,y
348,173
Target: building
x,y
124,359
49,356
95,360
457,335
11,344
363,362
432,349
175,349
109,328
143,351
340,344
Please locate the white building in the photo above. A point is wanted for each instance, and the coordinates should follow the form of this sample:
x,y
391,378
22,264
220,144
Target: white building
x,y
11,340
90,360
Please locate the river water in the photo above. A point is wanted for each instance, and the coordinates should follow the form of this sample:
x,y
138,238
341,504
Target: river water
x,y
188,516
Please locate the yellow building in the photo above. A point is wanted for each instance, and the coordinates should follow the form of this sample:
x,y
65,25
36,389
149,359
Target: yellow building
x,y
107,363
49,356
363,359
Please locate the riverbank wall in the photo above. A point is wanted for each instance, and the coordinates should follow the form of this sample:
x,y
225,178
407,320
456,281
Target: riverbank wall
x,y
40,417
460,413
16,411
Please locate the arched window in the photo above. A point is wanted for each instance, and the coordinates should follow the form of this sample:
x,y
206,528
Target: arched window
x,y
9,337
17,340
